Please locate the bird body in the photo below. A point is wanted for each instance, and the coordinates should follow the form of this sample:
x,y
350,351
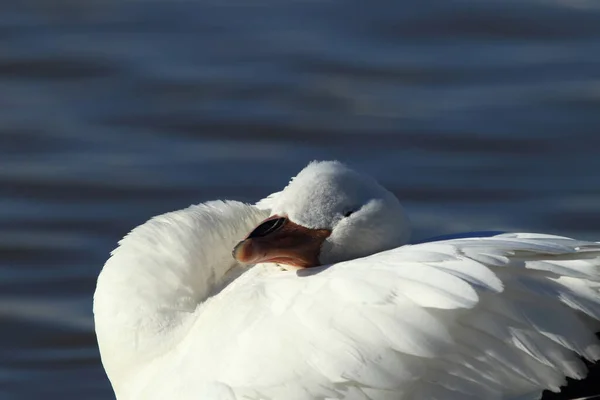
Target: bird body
x,y
364,316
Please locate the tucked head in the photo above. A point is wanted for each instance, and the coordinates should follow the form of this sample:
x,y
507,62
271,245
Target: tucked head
x,y
328,213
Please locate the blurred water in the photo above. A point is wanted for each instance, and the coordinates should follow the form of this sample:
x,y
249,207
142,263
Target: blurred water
x,y
478,114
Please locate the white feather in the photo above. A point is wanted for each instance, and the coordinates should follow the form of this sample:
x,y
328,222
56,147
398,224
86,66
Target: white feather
x,y
503,317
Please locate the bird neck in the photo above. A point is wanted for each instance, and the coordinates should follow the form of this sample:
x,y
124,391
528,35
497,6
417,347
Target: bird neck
x,y
150,290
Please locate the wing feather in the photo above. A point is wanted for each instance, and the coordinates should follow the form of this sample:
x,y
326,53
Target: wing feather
x,y
501,317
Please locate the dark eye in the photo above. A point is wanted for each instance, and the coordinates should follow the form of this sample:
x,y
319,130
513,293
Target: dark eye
x,y
348,213
267,227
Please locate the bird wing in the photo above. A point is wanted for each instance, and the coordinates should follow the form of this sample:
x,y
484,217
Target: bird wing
x,y
502,317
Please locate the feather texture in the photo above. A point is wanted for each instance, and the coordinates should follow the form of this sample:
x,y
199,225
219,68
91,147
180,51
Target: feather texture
x,y
494,318
500,317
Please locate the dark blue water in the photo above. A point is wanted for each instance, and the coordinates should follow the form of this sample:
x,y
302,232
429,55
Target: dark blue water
x,y
479,115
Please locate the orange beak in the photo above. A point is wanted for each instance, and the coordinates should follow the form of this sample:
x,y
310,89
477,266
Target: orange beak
x,y
279,240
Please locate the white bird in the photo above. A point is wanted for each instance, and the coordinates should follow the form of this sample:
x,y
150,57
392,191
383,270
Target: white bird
x,y
337,305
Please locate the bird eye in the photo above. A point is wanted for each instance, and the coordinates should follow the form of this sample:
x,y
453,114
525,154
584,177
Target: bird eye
x,y
267,227
348,213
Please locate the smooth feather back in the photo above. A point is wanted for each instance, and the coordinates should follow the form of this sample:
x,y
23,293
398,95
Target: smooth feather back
x,y
154,281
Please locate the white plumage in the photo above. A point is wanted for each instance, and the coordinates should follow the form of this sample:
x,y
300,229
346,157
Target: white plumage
x,y
502,317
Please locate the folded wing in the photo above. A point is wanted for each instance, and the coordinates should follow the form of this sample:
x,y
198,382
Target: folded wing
x,y
502,317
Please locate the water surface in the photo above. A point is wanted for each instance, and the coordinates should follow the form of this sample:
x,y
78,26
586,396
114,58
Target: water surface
x,y
479,115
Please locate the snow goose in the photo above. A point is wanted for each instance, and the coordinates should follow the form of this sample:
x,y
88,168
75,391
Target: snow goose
x,y
324,299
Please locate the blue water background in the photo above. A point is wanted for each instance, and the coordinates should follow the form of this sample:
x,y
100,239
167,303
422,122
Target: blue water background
x,y
479,115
